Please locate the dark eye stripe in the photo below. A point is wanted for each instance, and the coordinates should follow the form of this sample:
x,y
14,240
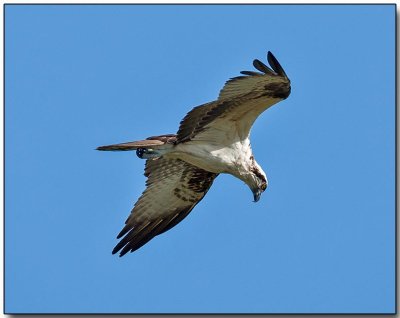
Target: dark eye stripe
x,y
259,175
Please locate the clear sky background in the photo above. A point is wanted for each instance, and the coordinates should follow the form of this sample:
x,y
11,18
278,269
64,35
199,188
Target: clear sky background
x,y
320,240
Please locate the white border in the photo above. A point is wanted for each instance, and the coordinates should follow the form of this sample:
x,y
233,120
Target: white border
x,y
134,2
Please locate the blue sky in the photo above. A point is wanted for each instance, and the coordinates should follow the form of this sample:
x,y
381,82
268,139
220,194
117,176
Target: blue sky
x,y
320,240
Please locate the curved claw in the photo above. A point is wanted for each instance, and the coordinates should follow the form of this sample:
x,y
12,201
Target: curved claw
x,y
140,152
146,153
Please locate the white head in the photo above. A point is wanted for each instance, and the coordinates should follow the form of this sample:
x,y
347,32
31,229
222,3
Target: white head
x,y
256,180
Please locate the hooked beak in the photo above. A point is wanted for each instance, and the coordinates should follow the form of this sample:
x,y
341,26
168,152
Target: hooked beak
x,y
257,195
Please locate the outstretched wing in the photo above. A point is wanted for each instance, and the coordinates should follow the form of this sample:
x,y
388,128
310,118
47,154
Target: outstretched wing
x,y
240,102
174,187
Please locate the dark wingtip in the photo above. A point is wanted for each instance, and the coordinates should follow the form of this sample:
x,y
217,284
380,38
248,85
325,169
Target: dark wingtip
x,y
116,250
125,250
262,67
251,73
276,66
125,230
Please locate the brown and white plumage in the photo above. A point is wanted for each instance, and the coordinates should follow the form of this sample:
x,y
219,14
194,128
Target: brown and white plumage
x,y
173,188
212,138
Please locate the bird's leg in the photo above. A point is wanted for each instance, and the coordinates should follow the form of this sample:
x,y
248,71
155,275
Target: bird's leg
x,y
146,153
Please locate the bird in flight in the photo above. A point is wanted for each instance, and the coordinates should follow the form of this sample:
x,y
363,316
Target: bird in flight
x,y
212,138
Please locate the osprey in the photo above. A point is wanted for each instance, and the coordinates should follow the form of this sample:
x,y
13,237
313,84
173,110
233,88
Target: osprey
x,y
212,138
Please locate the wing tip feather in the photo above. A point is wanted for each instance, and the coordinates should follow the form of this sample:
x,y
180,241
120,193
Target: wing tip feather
x,y
276,66
262,67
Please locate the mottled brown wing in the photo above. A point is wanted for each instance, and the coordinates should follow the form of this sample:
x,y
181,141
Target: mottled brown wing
x,y
240,102
174,187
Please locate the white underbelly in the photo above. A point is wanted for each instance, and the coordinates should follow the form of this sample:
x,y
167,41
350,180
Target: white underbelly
x,y
215,158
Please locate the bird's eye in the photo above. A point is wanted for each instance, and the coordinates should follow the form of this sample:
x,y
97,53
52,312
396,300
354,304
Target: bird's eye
x,y
263,186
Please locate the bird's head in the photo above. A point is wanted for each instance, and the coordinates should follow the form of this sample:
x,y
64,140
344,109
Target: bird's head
x,y
257,181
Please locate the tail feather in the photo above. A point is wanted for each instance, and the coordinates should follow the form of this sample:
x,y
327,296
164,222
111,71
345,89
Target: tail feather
x,y
154,142
128,146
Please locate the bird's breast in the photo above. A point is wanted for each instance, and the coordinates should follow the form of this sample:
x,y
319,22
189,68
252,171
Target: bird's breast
x,y
231,158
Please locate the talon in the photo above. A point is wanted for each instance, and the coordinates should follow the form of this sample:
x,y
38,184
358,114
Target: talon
x,y
147,153
140,152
